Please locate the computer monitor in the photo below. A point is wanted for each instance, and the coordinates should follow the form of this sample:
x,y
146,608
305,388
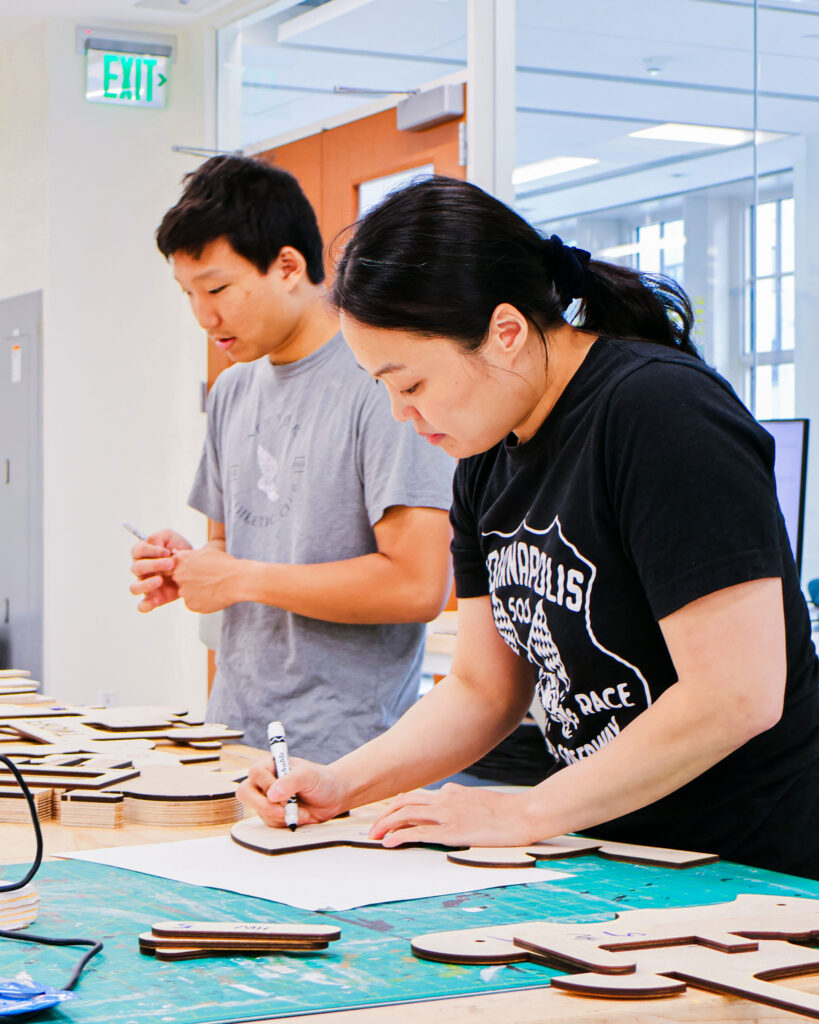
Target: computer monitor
x,y
790,470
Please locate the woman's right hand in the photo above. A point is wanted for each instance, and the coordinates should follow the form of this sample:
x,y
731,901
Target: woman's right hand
x,y
317,786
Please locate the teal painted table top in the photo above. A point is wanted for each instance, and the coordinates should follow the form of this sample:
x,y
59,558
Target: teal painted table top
x,y
370,965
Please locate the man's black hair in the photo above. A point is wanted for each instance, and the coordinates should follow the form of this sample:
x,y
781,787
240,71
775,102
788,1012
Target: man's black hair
x,y
256,207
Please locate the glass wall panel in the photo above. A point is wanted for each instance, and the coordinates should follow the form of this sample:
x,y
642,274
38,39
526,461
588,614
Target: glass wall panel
x,y
301,64
784,364
642,128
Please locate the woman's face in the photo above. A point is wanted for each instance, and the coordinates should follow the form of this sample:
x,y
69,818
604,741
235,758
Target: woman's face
x,y
462,402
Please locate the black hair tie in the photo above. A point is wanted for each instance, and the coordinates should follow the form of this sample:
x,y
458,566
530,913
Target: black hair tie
x,y
568,266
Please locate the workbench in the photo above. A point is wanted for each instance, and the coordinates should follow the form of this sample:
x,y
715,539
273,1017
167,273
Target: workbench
x,y
596,886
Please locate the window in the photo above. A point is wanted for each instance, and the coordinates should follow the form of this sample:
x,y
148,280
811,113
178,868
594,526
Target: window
x,y
768,344
661,249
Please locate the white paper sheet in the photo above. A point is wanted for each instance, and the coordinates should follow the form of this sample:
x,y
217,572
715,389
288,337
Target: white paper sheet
x,y
340,878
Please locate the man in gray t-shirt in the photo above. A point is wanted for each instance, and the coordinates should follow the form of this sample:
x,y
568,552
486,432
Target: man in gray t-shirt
x,y
329,543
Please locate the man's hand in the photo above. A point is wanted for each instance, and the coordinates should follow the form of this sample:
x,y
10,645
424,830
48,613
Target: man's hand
x,y
317,786
208,579
152,563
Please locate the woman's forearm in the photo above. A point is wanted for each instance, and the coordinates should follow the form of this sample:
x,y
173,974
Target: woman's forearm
x,y
446,731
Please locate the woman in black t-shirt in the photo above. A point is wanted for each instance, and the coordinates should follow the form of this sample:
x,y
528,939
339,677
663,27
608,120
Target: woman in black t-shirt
x,y
618,548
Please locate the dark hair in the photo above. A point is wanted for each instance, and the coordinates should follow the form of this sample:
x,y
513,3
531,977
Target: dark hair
x,y
437,257
256,207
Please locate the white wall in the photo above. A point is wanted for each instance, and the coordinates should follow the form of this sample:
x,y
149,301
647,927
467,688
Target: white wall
x,y
122,362
24,164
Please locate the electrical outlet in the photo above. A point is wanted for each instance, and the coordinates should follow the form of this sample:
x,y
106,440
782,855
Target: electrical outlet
x,y
106,698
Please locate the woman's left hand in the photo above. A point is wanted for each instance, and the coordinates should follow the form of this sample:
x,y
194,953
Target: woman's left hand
x,y
457,816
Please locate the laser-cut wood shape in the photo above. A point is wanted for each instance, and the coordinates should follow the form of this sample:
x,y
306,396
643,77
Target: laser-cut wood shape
x,y
9,712
184,940
14,806
181,796
134,718
737,948
573,846
255,835
67,778
97,810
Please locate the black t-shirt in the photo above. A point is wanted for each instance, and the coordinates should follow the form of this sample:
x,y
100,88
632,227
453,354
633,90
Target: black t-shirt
x,y
649,485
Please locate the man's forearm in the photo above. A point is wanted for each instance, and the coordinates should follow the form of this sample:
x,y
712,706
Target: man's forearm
x,y
368,589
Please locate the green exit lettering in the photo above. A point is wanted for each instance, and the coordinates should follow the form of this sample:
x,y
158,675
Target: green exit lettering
x,y
128,78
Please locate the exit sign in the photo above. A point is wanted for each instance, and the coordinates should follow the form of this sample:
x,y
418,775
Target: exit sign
x,y
126,79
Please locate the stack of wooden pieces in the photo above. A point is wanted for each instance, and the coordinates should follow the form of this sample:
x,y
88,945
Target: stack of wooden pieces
x,y
81,807
188,940
18,908
18,689
14,806
181,796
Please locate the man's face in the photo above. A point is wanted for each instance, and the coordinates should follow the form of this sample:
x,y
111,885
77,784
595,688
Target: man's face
x,y
245,313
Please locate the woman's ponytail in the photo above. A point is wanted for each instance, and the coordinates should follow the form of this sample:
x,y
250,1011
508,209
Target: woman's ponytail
x,y
437,257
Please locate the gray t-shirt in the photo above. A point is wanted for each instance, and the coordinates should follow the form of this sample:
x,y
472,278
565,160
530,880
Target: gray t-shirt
x,y
299,463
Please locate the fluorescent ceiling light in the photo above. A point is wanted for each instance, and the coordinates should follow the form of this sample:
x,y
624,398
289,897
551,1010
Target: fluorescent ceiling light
x,y
703,133
546,168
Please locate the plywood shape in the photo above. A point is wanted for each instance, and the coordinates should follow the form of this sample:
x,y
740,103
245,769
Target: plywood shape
x,y
197,953
134,718
70,777
9,712
30,730
255,835
91,810
173,795
255,930
738,948
183,940
158,782
14,806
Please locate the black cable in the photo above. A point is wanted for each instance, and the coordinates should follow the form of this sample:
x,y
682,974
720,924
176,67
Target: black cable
x,y
44,941
32,871
38,832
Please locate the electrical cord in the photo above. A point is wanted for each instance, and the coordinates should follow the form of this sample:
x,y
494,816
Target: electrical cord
x,y
38,832
32,871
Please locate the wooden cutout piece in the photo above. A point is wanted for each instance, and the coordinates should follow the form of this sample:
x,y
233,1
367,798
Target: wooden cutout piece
x,y
67,778
653,938
14,806
197,953
9,712
158,782
255,930
173,795
620,986
149,941
133,719
255,835
493,857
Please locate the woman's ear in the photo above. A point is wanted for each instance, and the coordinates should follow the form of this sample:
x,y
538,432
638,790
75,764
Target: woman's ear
x,y
508,332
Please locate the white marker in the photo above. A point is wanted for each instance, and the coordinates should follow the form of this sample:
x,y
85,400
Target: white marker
x,y
281,762
137,533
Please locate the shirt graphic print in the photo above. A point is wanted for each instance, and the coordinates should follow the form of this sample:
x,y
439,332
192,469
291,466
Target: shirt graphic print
x,y
540,586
